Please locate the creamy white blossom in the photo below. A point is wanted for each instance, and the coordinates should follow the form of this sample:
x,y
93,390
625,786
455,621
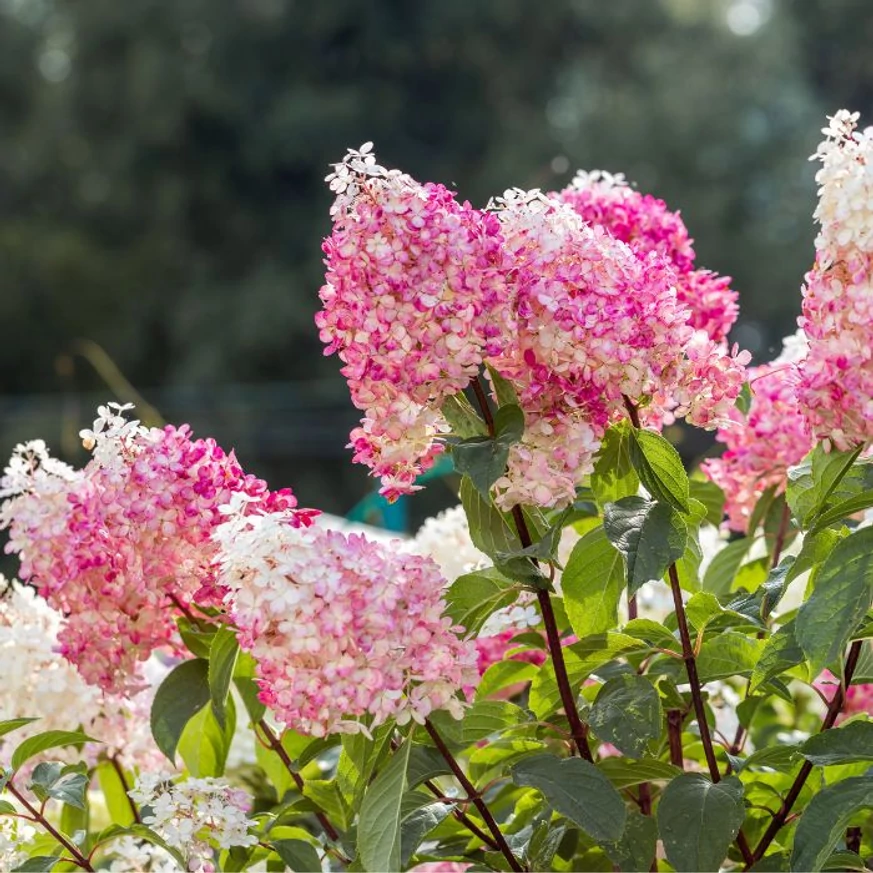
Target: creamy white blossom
x,y
195,816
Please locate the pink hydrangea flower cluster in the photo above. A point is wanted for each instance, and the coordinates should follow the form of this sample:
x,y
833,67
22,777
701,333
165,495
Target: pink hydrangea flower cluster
x,y
646,224
761,445
342,628
123,544
422,291
413,281
599,326
837,377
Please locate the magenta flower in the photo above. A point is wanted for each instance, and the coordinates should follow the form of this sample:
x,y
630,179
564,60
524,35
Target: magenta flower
x,y
123,545
646,224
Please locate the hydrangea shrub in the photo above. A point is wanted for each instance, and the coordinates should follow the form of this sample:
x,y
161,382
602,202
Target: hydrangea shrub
x,y
595,661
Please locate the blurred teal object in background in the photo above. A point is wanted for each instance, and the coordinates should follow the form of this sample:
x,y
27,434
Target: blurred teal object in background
x,y
376,510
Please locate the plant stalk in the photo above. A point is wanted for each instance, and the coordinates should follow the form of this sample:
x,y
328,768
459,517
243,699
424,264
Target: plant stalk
x,y
834,709
697,696
123,779
675,718
474,797
77,857
578,729
276,745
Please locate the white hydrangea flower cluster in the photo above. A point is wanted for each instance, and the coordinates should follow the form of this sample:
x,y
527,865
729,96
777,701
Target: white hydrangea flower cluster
x,y
40,683
845,179
130,855
446,539
15,835
195,815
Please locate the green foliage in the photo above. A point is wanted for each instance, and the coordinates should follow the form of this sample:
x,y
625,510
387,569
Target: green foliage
x,y
223,656
660,469
182,694
649,535
698,820
483,459
578,790
842,745
824,822
380,825
842,595
473,597
592,582
47,740
627,713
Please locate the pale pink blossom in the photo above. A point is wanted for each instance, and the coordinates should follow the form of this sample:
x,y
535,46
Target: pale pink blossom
x,y
123,545
341,627
761,445
836,390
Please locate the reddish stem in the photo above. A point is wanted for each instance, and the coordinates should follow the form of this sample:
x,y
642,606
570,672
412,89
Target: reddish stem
x,y
834,709
473,795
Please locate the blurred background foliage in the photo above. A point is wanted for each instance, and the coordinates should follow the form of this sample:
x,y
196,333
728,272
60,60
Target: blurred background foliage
x,y
162,165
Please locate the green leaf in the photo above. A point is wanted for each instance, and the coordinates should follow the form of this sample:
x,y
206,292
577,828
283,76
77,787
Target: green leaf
x,y
141,832
71,789
248,691
48,740
698,820
13,724
636,848
473,597
581,659
508,424
503,388
744,399
719,576
660,468
182,694
298,855
842,510
544,844
379,827
482,461
781,652
824,821
711,496
728,654
614,475
502,754
489,529
425,762
204,742
841,745
627,713
592,583
359,758
578,790
624,773
462,418
420,815
114,794
820,481
765,598
502,674
487,717
37,864
222,661
840,600
650,536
